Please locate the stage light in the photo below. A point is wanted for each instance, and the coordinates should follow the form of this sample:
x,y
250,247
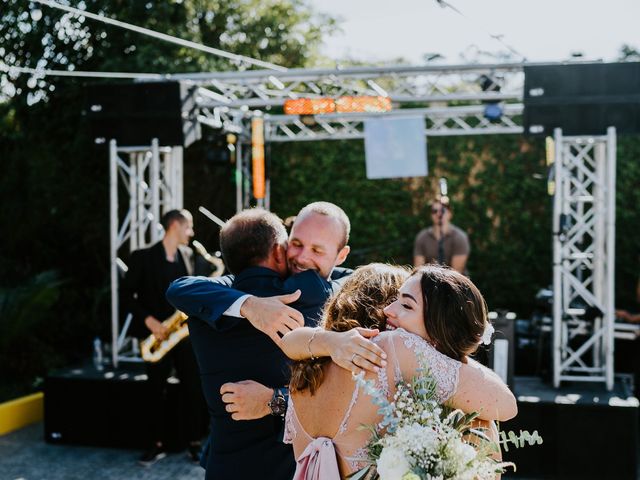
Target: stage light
x,y
493,112
308,120
492,109
309,106
489,83
363,104
257,157
346,104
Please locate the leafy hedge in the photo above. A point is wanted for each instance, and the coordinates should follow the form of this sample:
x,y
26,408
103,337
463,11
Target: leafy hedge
x,y
498,190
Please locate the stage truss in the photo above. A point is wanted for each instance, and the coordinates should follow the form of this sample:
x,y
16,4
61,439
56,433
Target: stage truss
x,y
452,100
150,177
583,258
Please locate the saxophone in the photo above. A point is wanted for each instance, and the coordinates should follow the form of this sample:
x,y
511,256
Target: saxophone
x,y
152,349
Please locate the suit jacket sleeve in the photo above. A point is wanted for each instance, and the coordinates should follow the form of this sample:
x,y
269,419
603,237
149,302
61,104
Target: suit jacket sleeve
x,y
205,298
314,292
130,287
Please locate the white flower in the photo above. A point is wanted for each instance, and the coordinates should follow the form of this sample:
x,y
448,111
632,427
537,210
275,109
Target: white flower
x,y
462,452
392,464
487,334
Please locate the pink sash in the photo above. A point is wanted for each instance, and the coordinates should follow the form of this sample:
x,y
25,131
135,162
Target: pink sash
x,y
318,461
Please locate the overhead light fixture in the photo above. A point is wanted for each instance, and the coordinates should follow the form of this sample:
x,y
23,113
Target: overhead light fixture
x,y
309,106
345,104
489,83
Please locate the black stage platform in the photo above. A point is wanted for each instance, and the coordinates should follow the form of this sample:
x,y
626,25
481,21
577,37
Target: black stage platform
x,y
108,408
587,431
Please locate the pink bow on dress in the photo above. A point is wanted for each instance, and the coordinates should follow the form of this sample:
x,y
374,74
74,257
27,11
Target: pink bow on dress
x,y
318,461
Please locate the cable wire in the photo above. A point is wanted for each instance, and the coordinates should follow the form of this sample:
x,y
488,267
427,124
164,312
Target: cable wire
x,y
72,73
163,36
497,37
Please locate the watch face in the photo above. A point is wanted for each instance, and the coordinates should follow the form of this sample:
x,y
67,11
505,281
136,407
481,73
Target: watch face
x,y
278,406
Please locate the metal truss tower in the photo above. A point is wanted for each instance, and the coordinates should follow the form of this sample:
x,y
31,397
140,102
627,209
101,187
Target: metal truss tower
x,y
583,258
151,178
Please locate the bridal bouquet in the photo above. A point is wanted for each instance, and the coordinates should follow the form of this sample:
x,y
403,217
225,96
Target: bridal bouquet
x,y
422,440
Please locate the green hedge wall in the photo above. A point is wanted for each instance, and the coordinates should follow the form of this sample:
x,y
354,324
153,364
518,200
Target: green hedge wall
x,y
498,190
498,194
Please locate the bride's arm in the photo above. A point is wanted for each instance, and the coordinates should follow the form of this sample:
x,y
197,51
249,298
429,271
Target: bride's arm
x,y
351,350
469,386
481,390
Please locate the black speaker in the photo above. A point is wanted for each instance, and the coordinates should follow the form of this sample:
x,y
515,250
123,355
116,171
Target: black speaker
x,y
582,99
83,406
135,113
588,433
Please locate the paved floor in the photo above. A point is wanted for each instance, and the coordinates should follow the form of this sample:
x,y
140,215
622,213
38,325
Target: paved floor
x,y
25,456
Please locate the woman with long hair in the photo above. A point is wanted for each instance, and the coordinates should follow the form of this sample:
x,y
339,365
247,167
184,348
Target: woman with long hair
x,y
437,315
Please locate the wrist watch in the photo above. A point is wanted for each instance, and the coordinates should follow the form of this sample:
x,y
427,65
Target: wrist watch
x,y
278,402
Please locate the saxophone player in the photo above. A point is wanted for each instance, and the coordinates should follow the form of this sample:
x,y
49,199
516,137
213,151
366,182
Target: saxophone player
x,y
151,270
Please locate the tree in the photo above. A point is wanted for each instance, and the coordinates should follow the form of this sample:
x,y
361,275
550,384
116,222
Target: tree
x,y
629,54
54,186
285,32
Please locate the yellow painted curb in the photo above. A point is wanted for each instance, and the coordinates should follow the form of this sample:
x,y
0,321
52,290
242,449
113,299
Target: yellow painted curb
x,y
21,412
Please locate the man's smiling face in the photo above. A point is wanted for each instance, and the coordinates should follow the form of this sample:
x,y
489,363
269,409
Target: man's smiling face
x,y
314,244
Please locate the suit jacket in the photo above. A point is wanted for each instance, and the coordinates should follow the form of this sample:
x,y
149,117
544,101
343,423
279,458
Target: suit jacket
x,y
143,288
244,449
208,298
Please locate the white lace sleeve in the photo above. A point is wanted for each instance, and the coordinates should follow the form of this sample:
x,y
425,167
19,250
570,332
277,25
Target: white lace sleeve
x,y
289,426
443,369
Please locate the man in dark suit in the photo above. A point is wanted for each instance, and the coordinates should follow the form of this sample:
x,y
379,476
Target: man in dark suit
x,y
142,292
228,349
318,242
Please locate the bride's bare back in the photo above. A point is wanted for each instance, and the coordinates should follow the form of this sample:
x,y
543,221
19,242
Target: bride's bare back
x,y
338,408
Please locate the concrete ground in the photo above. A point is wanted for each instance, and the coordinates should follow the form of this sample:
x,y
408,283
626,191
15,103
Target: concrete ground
x,y
24,455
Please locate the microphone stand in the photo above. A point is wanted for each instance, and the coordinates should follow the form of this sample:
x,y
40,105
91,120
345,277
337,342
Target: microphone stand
x,y
441,237
443,202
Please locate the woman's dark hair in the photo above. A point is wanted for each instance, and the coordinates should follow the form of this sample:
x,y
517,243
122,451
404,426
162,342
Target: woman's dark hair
x,y
359,303
455,312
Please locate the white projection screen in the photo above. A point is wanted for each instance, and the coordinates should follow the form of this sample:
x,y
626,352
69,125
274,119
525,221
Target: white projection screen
x,y
395,147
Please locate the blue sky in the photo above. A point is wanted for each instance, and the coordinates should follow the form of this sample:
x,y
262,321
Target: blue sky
x,y
541,30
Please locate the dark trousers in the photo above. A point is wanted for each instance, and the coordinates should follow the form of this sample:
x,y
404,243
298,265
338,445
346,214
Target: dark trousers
x,y
182,359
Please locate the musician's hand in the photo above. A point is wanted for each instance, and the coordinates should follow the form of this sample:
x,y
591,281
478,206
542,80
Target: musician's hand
x,y
246,400
352,351
155,326
272,316
628,316
623,315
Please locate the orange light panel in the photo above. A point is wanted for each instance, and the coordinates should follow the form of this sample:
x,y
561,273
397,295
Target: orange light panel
x,y
363,104
309,106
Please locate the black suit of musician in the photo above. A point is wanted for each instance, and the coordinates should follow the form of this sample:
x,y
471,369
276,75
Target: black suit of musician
x,y
151,270
232,350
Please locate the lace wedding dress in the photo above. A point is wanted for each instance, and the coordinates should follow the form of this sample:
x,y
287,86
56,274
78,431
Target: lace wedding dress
x,y
336,456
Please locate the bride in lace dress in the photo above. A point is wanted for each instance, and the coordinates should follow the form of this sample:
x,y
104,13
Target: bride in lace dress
x,y
326,408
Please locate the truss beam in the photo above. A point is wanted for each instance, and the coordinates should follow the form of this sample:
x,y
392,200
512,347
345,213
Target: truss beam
x,y
403,84
150,179
442,121
583,255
